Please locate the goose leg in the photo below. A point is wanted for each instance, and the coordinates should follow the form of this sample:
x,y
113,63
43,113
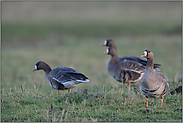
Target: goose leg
x,y
69,90
123,93
58,93
128,86
161,101
123,84
147,102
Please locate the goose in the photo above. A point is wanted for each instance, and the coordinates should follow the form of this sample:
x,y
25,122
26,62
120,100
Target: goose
x,y
153,84
61,78
111,44
125,71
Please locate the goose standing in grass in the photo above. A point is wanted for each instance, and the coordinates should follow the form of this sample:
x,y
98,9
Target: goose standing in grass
x,y
153,84
128,69
61,78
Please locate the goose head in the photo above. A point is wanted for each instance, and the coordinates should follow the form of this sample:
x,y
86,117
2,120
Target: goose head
x,y
148,54
108,43
111,51
40,65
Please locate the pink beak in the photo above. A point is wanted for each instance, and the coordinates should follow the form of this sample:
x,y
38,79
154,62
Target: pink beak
x,y
34,70
143,55
106,52
102,45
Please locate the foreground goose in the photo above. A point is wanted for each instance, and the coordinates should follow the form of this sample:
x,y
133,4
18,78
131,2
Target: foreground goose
x,y
111,44
153,84
125,71
61,78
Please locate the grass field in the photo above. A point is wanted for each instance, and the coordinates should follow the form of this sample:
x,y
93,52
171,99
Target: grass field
x,y
69,34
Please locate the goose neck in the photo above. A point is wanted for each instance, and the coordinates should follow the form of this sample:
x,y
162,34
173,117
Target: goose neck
x,y
150,64
47,69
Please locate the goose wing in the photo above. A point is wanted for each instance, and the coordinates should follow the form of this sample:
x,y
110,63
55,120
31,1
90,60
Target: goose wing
x,y
137,59
64,74
71,76
60,78
164,81
129,71
129,65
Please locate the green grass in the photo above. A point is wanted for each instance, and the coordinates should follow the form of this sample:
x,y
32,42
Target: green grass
x,y
103,100
74,41
100,104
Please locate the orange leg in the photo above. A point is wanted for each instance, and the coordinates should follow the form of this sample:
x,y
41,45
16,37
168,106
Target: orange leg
x,y
128,86
69,90
147,102
123,84
161,101
124,93
58,93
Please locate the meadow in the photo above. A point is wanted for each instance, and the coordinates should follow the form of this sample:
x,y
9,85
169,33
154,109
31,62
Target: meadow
x,y
69,34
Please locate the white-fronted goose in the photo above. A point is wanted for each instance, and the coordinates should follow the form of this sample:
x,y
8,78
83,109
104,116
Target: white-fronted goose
x,y
111,44
61,78
125,71
153,84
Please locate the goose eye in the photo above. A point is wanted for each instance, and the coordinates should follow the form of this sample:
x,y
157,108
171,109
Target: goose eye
x,y
145,53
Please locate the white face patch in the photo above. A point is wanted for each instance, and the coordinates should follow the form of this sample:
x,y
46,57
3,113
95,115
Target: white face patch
x,y
107,50
145,53
105,42
35,67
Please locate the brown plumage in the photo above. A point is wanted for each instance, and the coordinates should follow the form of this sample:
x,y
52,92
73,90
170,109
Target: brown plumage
x,y
128,69
153,84
125,71
61,78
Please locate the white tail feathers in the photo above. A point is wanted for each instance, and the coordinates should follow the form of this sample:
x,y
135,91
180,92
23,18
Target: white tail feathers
x,y
86,80
156,69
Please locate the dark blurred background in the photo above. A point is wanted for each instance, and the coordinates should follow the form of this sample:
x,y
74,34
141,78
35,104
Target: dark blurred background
x,y
27,22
